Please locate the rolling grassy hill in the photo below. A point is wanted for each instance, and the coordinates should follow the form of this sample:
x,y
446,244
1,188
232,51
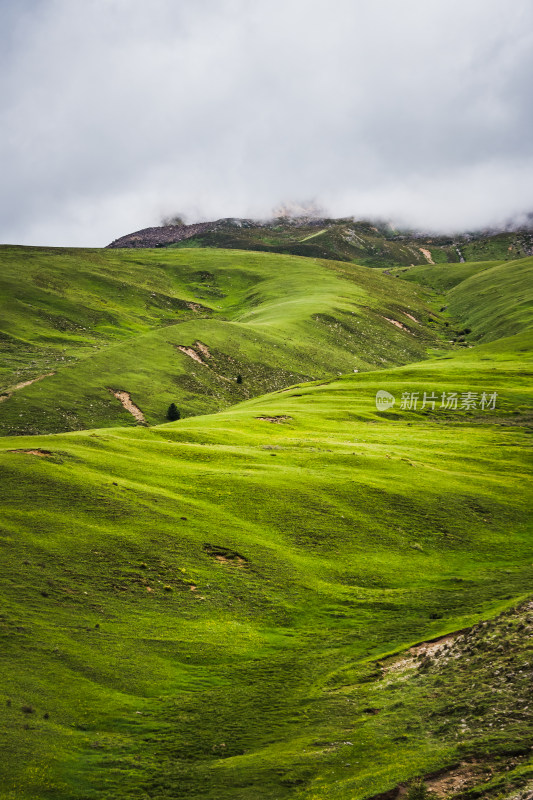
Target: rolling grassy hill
x,y
199,608
443,277
225,607
92,321
493,299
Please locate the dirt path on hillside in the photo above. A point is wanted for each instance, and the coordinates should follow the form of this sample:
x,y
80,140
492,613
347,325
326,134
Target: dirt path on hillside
x,y
41,453
17,386
129,405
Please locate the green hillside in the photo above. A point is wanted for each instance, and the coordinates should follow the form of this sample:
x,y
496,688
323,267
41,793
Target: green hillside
x,y
103,320
496,302
492,299
244,604
443,277
199,609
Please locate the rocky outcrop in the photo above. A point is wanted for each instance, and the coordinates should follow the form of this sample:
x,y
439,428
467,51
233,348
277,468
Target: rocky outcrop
x,y
163,235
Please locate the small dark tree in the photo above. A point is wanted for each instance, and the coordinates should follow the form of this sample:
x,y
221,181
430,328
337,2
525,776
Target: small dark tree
x,y
239,378
419,791
173,412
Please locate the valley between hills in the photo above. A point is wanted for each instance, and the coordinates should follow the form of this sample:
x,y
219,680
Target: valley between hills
x,y
288,592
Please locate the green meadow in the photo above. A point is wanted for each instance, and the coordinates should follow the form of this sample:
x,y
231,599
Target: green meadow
x,y
95,320
224,607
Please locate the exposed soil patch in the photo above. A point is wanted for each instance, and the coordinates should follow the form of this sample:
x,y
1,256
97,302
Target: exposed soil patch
x,y
429,649
194,306
432,647
278,419
455,780
129,405
204,350
398,324
41,453
198,352
191,352
473,688
410,316
427,255
444,783
225,556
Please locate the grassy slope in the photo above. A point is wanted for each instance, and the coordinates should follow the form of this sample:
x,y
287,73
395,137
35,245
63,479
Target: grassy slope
x,y
104,319
492,299
505,246
359,534
496,302
443,277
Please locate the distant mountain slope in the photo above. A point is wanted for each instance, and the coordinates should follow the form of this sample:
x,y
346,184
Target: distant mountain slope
x,y
83,329
491,299
366,243
443,277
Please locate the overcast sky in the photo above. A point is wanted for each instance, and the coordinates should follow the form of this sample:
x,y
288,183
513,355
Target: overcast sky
x,y
117,112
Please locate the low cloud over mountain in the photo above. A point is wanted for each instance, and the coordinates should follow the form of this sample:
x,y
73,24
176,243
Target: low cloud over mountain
x,y
116,113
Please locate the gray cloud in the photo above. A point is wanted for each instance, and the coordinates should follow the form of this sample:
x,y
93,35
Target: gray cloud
x,y
115,112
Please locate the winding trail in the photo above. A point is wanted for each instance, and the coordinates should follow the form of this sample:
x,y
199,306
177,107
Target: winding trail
x,y
6,395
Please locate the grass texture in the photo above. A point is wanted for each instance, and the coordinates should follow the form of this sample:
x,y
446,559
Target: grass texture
x,y
223,607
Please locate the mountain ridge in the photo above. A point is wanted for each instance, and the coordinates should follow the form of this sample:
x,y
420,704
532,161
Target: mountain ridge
x,y
369,243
